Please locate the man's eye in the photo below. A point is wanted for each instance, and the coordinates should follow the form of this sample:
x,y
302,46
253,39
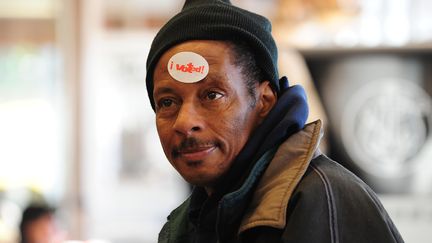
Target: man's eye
x,y
165,103
213,95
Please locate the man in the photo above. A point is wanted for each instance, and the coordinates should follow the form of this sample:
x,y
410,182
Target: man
x,y
237,132
38,225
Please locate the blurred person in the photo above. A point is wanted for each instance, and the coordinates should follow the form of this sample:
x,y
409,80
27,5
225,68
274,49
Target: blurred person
x,y
39,225
236,131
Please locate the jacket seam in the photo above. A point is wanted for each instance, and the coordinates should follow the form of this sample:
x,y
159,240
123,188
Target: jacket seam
x,y
334,234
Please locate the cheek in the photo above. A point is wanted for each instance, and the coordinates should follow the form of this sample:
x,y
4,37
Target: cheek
x,y
164,136
163,126
236,130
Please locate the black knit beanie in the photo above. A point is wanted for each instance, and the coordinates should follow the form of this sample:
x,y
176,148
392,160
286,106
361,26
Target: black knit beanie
x,y
216,20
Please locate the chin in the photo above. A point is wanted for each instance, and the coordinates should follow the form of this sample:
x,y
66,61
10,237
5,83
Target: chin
x,y
200,180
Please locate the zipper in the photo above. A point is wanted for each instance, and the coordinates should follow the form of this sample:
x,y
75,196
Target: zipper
x,y
217,221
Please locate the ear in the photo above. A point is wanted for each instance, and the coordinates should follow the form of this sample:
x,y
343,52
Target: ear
x,y
267,98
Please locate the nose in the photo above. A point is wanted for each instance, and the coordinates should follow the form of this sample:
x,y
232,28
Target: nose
x,y
189,120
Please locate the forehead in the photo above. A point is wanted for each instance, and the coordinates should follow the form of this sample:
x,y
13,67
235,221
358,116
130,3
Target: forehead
x,y
222,71
215,52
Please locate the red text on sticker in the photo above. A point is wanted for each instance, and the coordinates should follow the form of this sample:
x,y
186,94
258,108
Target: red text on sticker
x,y
188,68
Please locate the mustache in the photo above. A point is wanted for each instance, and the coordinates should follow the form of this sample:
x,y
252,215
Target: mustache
x,y
191,143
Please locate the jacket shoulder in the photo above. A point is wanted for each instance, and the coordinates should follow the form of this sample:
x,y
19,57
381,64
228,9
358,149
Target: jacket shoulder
x,y
176,229
340,205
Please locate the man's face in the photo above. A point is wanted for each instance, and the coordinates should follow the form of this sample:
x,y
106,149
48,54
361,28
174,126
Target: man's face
x,y
43,230
203,126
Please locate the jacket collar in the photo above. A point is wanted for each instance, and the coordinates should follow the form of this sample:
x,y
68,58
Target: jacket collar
x,y
270,199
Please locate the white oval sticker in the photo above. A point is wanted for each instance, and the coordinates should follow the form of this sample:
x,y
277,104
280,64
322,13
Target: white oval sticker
x,y
188,67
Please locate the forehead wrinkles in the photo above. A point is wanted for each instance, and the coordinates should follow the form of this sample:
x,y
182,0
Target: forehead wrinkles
x,y
218,58
215,77
216,72
170,85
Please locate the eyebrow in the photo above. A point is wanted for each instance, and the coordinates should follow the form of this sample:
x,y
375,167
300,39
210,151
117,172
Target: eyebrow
x,y
162,90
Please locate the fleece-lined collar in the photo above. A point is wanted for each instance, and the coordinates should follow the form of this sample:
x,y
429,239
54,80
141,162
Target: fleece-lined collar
x,y
270,200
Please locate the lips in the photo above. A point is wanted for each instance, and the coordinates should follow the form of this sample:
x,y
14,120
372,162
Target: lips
x,y
196,153
194,149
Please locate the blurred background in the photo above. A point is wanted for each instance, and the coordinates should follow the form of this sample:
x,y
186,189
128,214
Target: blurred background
x,y
77,132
